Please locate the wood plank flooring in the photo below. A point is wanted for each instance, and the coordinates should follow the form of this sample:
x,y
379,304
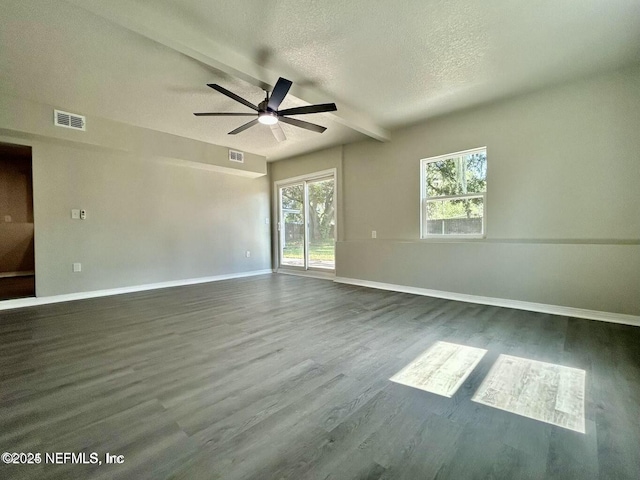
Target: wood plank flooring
x,y
442,369
543,391
277,376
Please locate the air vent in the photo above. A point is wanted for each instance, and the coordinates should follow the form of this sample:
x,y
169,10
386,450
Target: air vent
x,y
69,120
236,156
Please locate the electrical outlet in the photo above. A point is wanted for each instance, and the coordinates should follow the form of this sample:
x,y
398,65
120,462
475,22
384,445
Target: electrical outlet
x,y
247,254
83,214
77,267
374,234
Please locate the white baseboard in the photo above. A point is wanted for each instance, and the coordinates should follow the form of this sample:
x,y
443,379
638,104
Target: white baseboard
x,y
33,301
500,302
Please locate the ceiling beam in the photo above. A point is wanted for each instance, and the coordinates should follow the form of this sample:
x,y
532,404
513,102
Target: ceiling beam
x,y
153,25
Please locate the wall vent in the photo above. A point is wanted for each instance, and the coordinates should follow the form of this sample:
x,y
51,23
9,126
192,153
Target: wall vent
x,y
236,156
69,120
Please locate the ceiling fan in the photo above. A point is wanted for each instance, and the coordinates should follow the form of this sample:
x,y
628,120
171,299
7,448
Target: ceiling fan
x,y
268,113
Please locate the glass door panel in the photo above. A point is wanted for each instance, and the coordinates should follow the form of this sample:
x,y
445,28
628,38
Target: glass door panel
x,y
321,224
307,224
292,233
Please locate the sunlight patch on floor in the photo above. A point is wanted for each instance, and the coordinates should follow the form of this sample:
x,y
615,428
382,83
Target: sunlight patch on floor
x,y
542,391
441,369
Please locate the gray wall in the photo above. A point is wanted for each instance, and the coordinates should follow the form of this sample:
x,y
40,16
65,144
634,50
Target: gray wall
x,y
27,119
563,201
147,221
159,207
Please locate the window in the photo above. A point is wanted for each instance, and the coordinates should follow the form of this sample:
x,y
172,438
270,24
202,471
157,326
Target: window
x,y
453,194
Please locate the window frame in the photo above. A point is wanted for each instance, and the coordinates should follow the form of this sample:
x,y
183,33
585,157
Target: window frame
x,y
424,198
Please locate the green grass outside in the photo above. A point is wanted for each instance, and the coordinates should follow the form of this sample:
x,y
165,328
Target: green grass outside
x,y
317,251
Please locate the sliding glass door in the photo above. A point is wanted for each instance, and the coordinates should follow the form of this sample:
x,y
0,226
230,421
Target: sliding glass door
x,y
292,221
307,223
321,224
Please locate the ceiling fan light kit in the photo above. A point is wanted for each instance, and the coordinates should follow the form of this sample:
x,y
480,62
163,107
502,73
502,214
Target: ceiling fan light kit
x,y
268,113
267,118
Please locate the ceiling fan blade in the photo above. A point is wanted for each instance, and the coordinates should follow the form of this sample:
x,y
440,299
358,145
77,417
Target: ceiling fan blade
x,y
223,114
323,107
302,124
277,131
279,92
242,128
232,95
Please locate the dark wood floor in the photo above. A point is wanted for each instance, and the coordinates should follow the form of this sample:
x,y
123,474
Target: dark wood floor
x,y
286,377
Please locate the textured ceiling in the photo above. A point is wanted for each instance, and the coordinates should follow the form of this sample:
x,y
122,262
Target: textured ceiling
x,y
393,62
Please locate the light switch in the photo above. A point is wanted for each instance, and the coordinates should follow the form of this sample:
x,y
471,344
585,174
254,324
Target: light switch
x,y
77,267
374,234
7,218
75,214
